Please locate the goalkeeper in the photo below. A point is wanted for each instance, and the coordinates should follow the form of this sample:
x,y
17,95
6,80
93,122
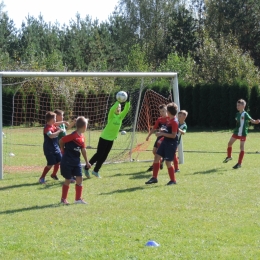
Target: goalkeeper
x,y
108,135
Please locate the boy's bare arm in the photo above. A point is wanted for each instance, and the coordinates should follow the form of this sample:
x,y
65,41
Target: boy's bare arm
x,y
255,121
71,124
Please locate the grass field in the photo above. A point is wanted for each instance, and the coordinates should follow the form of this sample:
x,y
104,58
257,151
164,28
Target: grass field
x,y
212,213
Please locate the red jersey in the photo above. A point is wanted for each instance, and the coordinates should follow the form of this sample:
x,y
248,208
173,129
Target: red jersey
x,y
160,122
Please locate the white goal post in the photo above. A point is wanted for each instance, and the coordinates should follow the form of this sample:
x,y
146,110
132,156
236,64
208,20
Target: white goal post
x,y
172,75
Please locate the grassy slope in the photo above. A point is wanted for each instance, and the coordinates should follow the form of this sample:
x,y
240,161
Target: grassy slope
x,y
212,213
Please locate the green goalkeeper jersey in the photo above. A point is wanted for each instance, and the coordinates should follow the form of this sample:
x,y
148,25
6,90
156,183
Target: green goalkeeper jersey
x,y
242,123
114,122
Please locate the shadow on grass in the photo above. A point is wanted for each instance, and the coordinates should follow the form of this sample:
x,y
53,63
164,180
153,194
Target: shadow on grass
x,y
136,175
44,186
11,211
218,170
128,190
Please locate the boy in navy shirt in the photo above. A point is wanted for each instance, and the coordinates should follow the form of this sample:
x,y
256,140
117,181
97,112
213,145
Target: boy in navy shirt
x,y
71,146
51,146
168,146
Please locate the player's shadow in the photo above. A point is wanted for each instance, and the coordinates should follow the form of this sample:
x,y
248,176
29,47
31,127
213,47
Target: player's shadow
x,y
133,189
12,211
136,175
18,186
210,171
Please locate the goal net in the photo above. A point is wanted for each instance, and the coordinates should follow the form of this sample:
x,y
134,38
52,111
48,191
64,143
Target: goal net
x,y
25,105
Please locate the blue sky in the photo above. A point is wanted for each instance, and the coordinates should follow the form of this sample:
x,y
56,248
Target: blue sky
x,y
58,10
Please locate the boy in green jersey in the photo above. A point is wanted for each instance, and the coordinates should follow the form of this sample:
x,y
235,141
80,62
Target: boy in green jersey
x,y
63,125
182,115
240,132
108,135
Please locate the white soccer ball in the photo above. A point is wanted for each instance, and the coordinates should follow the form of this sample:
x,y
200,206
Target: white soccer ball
x,y
11,154
121,96
123,133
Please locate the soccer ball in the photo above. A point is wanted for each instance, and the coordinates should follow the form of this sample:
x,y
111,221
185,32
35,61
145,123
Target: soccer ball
x,y
123,133
121,96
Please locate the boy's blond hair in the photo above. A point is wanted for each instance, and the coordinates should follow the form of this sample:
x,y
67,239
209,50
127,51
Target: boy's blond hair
x,y
49,116
58,112
184,112
81,122
242,101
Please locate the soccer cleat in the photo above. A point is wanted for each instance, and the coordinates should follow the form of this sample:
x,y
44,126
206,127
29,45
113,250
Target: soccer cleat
x,y
171,182
227,159
42,181
64,202
152,180
161,165
96,174
81,201
150,169
87,174
178,170
54,177
237,166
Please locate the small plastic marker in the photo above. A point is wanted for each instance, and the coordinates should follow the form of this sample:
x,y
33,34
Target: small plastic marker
x,y
152,243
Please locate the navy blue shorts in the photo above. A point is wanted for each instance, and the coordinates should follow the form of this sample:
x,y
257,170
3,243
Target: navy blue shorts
x,y
167,150
53,158
67,170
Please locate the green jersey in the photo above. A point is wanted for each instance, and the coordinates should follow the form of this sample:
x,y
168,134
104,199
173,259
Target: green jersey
x,y
242,123
114,122
63,133
183,127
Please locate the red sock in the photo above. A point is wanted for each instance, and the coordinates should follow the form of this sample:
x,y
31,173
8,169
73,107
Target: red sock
x,y
156,167
45,171
78,189
55,169
65,191
176,162
171,173
229,151
240,158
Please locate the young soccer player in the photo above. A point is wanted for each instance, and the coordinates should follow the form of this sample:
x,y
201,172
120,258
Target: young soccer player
x,y
159,123
108,135
51,147
240,132
182,115
168,146
64,126
71,146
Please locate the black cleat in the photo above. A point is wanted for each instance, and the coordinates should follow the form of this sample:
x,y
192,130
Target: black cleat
x,y
150,169
227,159
237,166
161,166
54,177
171,182
152,180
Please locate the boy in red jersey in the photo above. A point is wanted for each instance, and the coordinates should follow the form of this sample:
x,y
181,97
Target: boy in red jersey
x,y
168,146
51,147
240,132
71,147
159,123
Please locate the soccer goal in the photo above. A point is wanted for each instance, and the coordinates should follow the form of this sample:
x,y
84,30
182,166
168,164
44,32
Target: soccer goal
x,y
25,103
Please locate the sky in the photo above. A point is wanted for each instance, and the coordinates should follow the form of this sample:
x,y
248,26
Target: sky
x,y
61,11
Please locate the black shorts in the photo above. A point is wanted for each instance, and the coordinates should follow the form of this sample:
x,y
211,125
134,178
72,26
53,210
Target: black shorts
x,y
68,170
167,150
53,158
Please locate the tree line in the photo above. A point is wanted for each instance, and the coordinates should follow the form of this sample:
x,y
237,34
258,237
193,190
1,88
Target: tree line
x,y
212,41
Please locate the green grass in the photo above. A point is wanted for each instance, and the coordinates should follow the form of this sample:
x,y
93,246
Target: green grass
x,y
212,213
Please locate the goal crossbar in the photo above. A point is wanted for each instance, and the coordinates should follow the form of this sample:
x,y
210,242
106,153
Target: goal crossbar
x,y
9,74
